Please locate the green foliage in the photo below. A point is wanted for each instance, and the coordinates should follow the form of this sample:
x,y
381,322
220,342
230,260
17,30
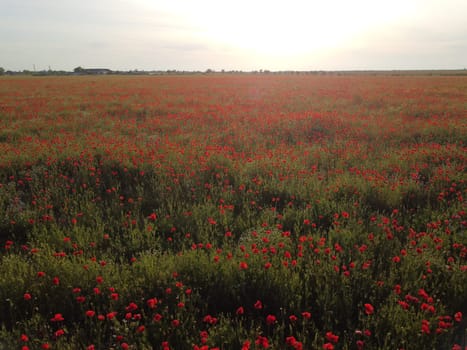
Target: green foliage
x,y
209,217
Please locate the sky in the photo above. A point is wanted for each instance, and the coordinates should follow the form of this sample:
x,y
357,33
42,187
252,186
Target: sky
x,y
233,35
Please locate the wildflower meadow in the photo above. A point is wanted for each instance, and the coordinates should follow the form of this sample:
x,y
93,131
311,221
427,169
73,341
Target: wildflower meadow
x,y
233,211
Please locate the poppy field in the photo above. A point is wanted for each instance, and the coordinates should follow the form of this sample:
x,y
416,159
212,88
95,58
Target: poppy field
x,y
248,211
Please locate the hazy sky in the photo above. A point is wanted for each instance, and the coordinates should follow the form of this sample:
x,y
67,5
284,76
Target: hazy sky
x,y
233,35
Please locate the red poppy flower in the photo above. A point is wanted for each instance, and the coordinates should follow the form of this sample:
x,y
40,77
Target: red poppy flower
x,y
152,303
262,341
426,327
57,318
131,307
59,333
369,309
270,319
111,315
332,337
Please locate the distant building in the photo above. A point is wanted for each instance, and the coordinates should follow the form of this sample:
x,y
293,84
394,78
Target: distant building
x,y
97,71
94,71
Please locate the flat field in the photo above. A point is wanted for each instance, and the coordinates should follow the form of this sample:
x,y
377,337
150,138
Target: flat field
x,y
233,212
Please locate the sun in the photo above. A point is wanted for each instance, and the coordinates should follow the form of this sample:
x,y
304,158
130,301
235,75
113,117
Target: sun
x,y
292,27
280,32
270,29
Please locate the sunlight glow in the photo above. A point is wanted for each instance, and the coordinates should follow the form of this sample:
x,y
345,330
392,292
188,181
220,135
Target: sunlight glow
x,y
241,35
286,28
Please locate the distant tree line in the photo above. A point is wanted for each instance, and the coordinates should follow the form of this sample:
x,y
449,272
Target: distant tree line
x,y
104,71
